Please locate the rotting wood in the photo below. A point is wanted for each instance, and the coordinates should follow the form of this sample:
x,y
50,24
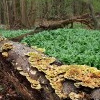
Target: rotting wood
x,y
18,59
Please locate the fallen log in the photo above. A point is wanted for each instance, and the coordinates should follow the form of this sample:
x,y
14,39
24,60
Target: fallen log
x,y
39,77
59,24
37,30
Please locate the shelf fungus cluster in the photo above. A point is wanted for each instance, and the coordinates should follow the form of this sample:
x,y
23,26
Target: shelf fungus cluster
x,y
83,75
34,83
42,63
5,48
2,38
38,49
74,96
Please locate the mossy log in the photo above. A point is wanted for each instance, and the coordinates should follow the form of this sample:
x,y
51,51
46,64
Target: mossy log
x,y
16,67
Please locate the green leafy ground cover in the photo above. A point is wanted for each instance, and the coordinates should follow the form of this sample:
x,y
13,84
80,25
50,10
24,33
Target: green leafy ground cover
x,y
12,33
72,46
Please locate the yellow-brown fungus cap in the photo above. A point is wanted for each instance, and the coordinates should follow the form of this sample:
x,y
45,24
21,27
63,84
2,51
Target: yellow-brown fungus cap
x,y
5,54
7,46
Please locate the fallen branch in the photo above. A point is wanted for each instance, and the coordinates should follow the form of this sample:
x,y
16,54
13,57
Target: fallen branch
x,y
19,38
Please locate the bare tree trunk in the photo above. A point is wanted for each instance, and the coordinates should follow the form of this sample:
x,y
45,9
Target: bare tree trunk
x,y
32,13
15,9
92,13
23,8
74,7
6,12
0,13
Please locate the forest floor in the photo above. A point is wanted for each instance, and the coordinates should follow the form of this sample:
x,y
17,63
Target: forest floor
x,y
7,90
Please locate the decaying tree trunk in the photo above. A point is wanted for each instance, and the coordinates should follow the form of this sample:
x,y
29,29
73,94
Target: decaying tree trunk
x,y
13,60
17,58
64,23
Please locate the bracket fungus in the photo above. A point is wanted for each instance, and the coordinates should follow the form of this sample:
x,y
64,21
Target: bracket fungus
x,y
2,38
88,76
7,46
34,83
42,50
5,54
74,96
83,75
